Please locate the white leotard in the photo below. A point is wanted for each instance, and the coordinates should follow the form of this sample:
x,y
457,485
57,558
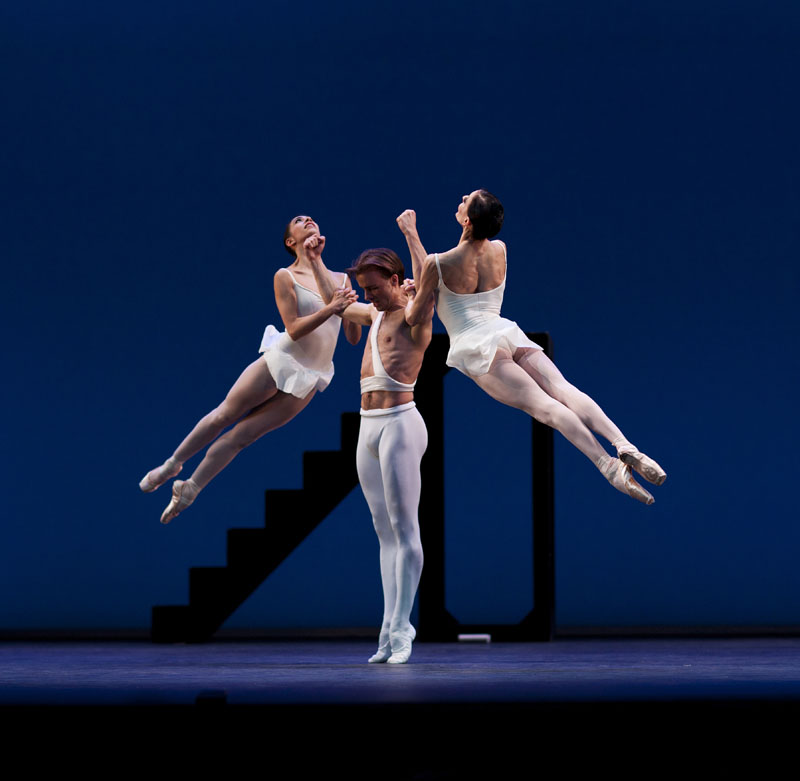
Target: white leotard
x,y
380,379
300,366
475,327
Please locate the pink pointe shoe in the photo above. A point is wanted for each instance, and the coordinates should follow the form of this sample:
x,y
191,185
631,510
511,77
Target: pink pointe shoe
x,y
184,492
643,464
158,476
619,475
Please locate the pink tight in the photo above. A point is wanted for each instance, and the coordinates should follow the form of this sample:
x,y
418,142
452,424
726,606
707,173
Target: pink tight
x,y
258,406
530,381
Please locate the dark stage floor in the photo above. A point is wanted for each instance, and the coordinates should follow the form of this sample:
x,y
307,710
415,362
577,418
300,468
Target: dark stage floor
x,y
334,672
454,708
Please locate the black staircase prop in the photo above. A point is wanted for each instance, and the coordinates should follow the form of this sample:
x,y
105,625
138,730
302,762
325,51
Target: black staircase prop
x,y
435,622
328,477
291,515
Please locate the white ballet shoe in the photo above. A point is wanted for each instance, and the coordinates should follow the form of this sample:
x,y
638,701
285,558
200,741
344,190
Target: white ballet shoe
x,y
643,464
184,492
619,475
384,649
158,476
401,646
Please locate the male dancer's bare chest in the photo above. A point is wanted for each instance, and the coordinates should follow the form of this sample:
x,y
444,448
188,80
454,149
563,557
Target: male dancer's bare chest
x,y
396,349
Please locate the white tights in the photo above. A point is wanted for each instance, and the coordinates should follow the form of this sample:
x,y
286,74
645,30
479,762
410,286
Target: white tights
x,y
390,448
530,381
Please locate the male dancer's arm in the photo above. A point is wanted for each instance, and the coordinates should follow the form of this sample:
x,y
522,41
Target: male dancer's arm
x,y
420,306
352,329
356,314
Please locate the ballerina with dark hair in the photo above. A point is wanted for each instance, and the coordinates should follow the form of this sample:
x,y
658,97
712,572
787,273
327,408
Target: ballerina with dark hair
x,y
468,283
295,364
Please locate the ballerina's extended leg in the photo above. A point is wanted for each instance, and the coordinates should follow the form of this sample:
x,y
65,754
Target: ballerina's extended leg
x,y
549,378
272,414
511,384
253,387
552,381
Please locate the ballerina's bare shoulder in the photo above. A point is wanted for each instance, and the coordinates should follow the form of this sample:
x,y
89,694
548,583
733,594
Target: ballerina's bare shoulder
x,y
467,270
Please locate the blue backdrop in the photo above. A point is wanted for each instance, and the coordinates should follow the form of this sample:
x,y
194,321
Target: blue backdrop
x,y
647,157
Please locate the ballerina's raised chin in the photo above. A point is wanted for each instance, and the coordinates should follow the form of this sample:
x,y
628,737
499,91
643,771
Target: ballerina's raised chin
x,y
294,365
469,281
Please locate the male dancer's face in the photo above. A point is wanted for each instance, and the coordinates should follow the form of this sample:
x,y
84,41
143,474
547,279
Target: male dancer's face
x,y
382,292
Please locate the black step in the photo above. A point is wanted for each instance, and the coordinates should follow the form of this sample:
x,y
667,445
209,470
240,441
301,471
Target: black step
x,y
262,550
170,623
247,547
290,516
326,467
351,422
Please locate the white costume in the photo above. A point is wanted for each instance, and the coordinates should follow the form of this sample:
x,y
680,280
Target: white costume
x,y
298,367
475,327
476,331
391,443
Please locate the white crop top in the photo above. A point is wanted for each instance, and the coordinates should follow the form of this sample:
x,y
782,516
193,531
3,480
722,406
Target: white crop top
x,y
380,379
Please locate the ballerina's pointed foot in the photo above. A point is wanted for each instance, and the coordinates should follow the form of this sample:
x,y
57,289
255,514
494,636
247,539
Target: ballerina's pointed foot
x,y
184,493
401,646
643,464
158,476
384,649
620,476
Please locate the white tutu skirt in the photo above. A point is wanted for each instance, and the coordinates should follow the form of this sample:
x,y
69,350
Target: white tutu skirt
x,y
473,350
283,358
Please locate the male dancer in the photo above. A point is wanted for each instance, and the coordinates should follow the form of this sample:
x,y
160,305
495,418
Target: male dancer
x,y
392,438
